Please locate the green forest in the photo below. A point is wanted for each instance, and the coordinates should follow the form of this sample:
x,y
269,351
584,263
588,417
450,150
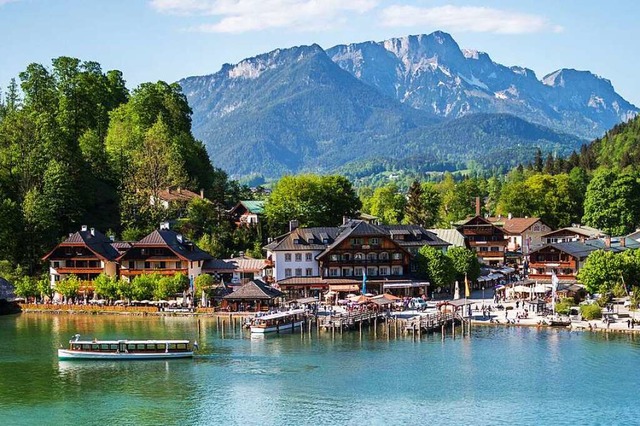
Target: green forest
x,y
77,147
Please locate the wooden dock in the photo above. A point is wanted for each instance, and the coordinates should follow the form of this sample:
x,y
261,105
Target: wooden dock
x,y
432,322
349,321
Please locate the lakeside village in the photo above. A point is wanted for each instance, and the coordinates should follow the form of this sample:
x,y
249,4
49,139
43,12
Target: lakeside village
x,y
352,272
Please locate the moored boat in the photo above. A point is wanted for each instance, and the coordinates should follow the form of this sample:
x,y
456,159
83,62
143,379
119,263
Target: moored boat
x,y
126,349
277,322
559,321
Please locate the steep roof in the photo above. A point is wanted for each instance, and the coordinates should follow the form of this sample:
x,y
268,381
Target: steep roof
x,y
305,239
255,207
254,290
583,230
92,239
417,235
582,249
178,194
179,245
452,236
515,225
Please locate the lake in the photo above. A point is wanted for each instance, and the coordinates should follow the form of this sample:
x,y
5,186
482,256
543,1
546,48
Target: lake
x,y
497,375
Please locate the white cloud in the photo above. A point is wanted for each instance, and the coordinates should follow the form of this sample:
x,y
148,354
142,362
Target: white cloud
x,y
237,16
466,18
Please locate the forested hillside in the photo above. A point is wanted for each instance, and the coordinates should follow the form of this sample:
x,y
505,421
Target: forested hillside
x,y
76,147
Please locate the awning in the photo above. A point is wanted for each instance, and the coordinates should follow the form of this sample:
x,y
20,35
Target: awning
x,y
410,284
307,300
344,287
507,270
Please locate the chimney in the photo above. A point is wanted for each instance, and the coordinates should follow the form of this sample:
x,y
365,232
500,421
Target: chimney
x,y
179,190
93,232
164,225
607,241
623,241
345,219
293,225
179,238
477,206
83,228
112,238
509,216
202,193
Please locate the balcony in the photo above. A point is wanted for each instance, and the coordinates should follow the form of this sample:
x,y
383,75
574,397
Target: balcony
x,y
163,271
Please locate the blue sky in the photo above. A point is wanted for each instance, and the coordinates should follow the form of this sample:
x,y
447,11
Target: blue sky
x,y
167,40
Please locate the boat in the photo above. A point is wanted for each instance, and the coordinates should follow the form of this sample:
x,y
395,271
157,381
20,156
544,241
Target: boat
x,y
126,349
277,322
558,321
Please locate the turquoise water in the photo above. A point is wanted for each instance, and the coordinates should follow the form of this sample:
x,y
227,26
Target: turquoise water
x,y
495,376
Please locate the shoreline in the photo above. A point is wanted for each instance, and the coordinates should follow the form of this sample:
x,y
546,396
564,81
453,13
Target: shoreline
x,y
578,326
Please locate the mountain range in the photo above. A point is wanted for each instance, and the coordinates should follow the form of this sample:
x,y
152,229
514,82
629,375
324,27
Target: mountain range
x,y
418,97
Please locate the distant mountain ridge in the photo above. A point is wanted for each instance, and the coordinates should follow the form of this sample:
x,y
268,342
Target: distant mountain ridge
x,y
431,72
307,109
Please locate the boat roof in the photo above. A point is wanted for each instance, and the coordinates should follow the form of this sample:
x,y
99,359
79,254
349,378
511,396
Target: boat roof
x,y
115,342
282,314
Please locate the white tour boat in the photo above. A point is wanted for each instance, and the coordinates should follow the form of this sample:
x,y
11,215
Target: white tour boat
x,y
280,321
126,349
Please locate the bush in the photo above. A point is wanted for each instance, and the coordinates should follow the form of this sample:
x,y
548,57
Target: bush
x,y
563,306
590,312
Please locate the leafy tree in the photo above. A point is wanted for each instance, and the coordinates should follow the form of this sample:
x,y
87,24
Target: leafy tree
x,y
601,271
436,266
464,262
164,289
388,203
204,283
143,286
106,286
181,282
125,289
69,286
591,312
312,200
26,287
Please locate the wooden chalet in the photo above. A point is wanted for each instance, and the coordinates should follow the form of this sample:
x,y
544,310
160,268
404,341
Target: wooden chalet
x,y
171,197
247,213
566,259
524,234
165,252
571,233
85,254
486,239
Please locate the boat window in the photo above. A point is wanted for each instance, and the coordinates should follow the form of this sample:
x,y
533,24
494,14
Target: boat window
x,y
104,347
113,347
140,347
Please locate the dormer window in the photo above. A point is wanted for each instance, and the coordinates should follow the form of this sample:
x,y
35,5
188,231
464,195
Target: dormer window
x,y
297,241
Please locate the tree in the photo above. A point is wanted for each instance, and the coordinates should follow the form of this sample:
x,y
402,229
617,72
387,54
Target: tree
x,y
164,289
601,271
143,286
436,266
106,286
26,287
69,286
312,200
612,202
388,203
423,204
204,283
464,262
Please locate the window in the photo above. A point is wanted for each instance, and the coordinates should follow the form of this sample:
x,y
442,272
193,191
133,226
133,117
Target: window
x,y
356,241
397,256
298,257
383,256
132,264
334,272
372,256
298,272
162,265
346,272
396,270
357,272
68,251
495,248
309,272
158,251
334,257
287,272
384,270
308,257
374,241
358,256
346,256
56,264
147,265
483,248
372,271
144,252
287,257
